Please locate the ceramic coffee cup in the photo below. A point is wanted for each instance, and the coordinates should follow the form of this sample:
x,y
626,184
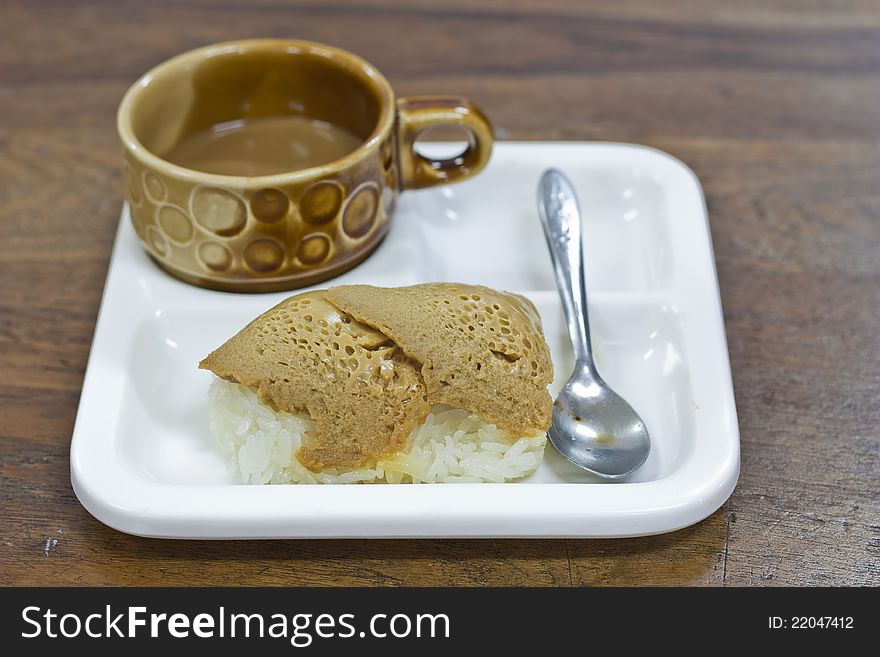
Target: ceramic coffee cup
x,y
291,229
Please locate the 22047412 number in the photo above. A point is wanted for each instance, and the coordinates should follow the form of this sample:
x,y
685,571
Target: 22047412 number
x,y
810,623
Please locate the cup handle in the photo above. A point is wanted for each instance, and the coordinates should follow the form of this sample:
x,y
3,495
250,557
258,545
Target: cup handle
x,y
418,113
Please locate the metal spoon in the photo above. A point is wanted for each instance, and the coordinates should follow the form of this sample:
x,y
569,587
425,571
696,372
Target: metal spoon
x,y
593,426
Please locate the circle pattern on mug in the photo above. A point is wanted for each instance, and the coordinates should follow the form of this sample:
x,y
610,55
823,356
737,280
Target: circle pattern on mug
x,y
360,213
388,200
175,224
263,255
215,256
321,202
132,184
219,211
157,240
270,205
313,249
155,187
137,221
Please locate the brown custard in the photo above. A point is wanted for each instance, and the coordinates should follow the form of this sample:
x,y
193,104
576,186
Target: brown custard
x,y
368,364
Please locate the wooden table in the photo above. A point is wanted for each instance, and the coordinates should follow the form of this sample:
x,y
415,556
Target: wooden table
x,y
776,106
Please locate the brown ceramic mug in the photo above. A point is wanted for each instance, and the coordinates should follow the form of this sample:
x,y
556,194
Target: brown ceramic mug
x,y
259,233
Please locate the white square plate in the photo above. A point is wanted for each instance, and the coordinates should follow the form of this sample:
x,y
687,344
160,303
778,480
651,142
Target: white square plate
x,y
143,460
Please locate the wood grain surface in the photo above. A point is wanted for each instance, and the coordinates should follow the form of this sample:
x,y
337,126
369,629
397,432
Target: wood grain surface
x,y
774,104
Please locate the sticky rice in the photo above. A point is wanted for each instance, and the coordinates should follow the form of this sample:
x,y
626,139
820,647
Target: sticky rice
x,y
451,445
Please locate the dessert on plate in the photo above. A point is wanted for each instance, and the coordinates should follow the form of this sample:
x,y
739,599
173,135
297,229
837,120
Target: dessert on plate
x,y
423,384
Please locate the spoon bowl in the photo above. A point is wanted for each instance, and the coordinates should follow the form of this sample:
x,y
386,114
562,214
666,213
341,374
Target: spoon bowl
x,y
592,426
596,429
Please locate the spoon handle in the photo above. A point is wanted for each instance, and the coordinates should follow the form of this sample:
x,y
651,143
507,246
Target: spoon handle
x,y
561,220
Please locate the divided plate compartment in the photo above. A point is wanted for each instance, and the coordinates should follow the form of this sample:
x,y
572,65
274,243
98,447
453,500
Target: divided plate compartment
x,y
143,460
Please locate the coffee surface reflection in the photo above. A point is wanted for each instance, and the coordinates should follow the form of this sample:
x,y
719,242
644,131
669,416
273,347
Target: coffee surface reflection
x,y
263,146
